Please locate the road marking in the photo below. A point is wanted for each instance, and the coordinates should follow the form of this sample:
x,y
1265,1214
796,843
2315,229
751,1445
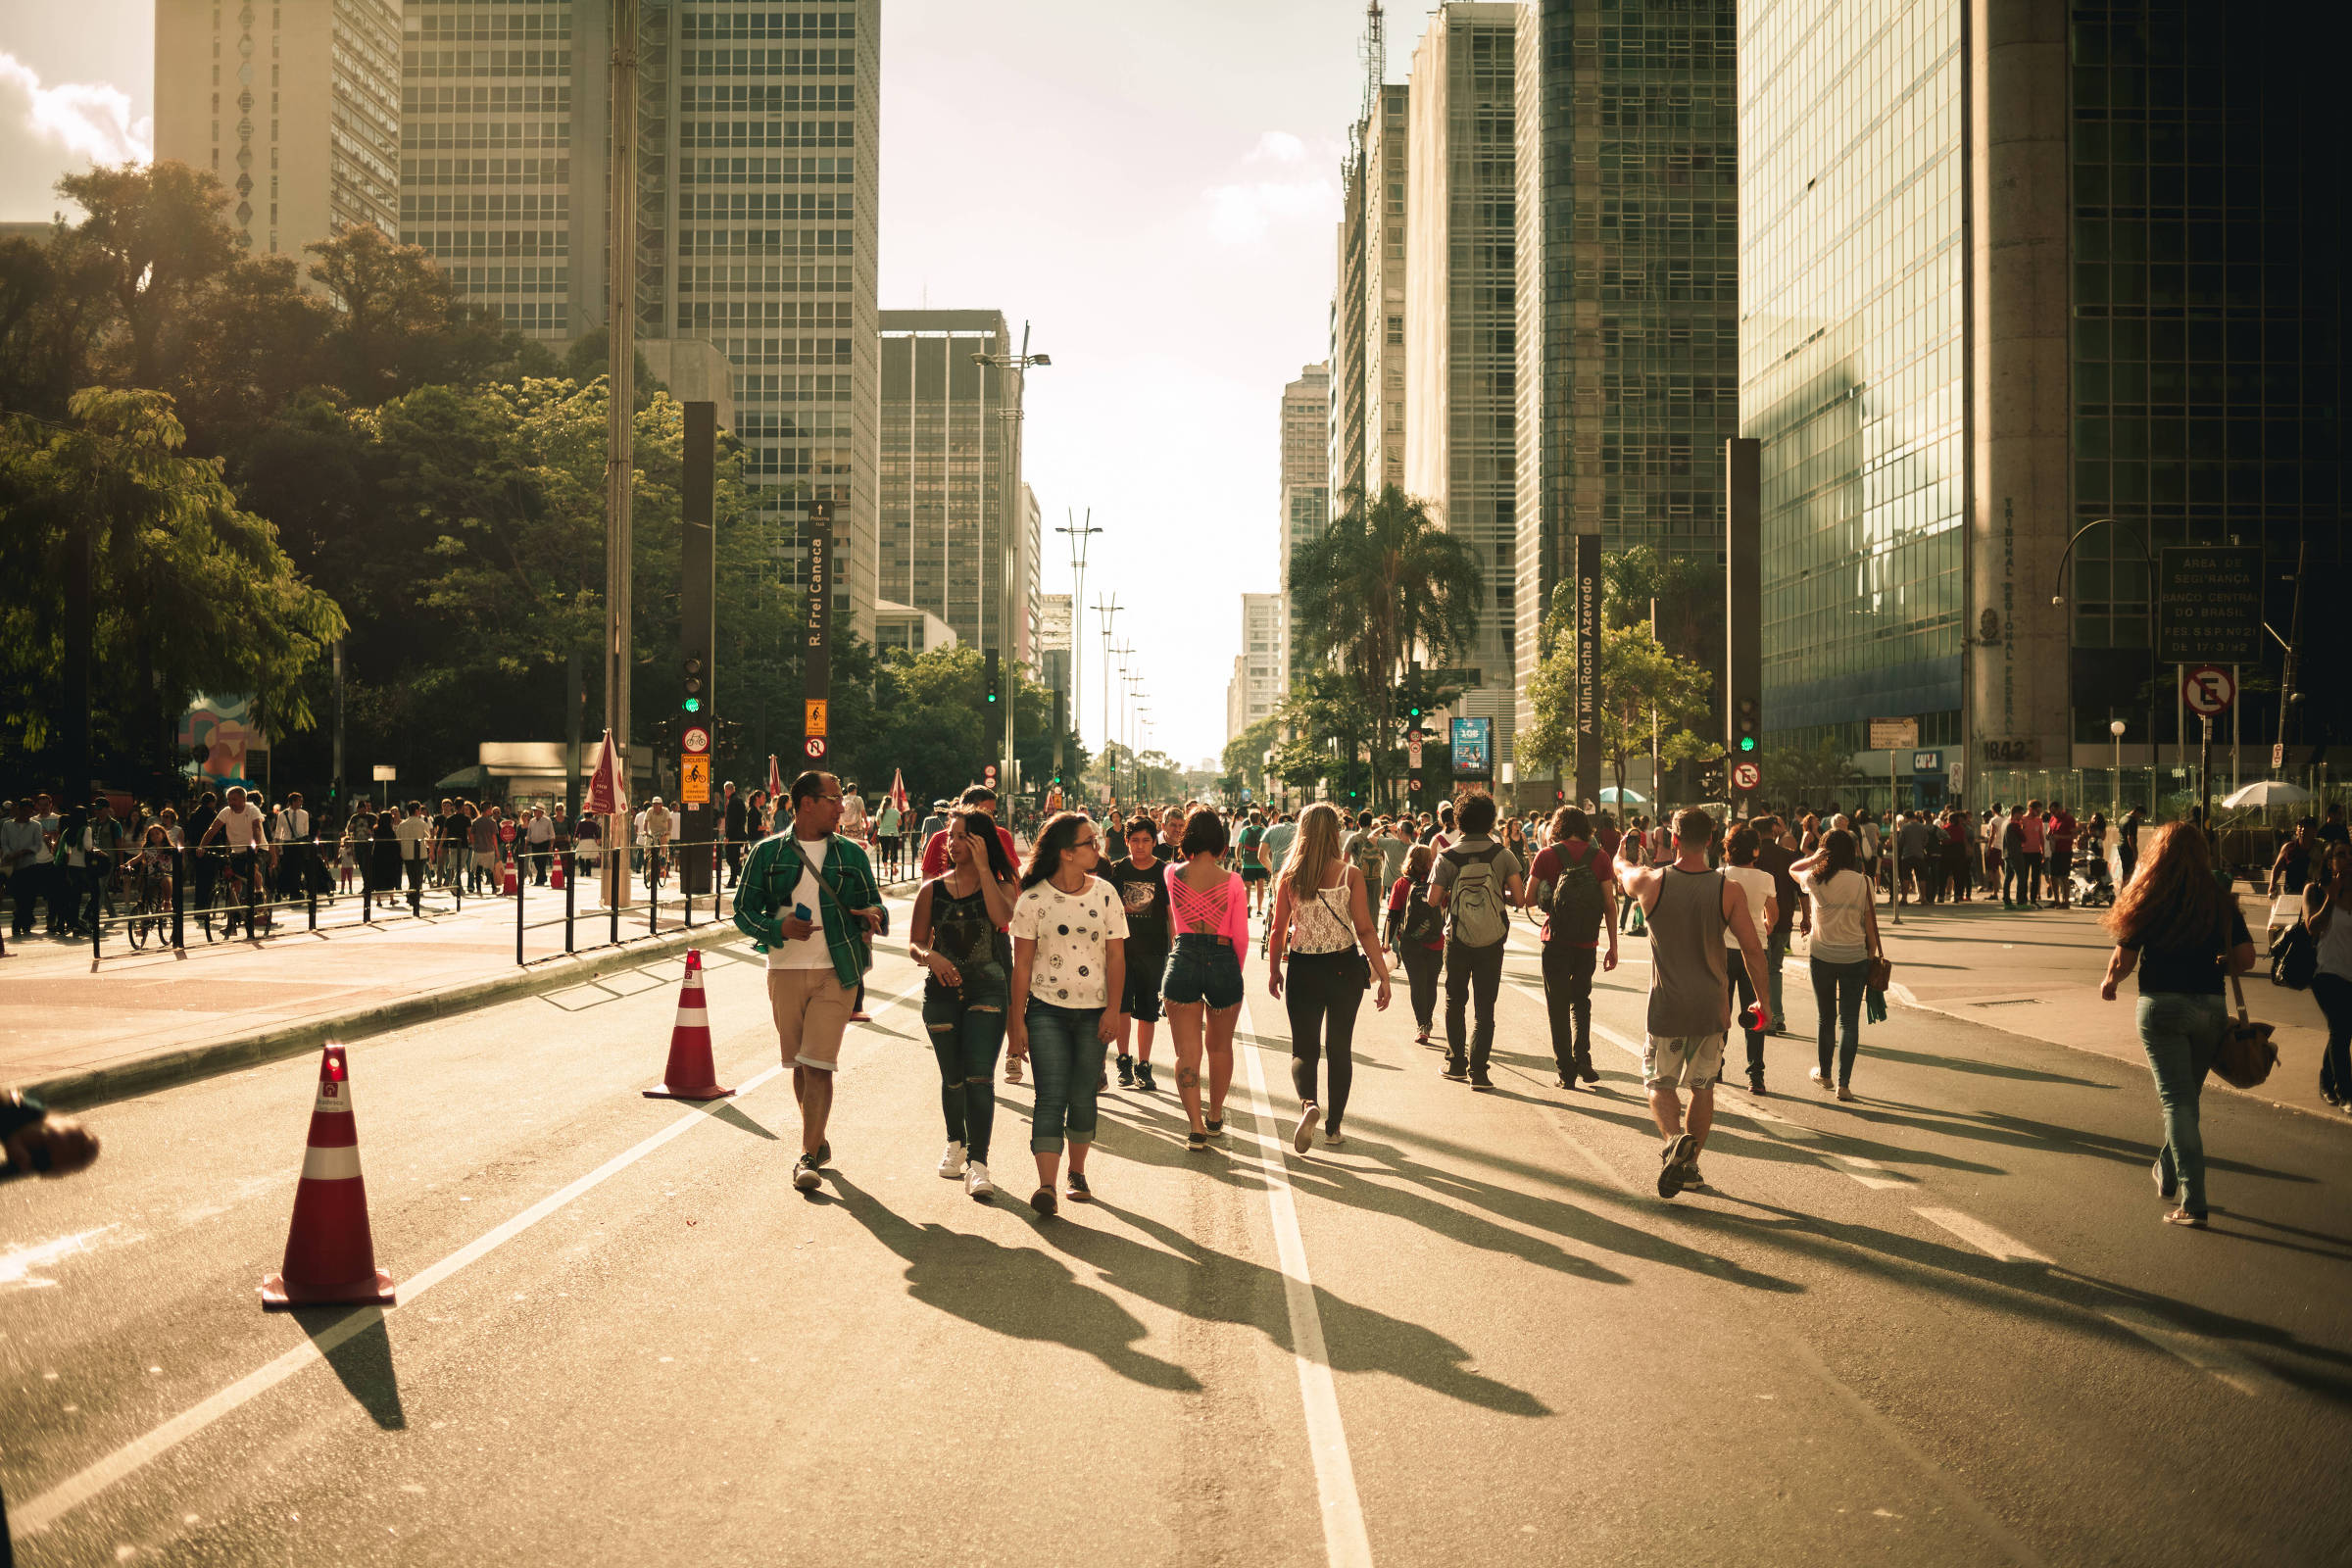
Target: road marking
x,y
78,1489
1981,1236
2199,1352
1344,1542
18,1264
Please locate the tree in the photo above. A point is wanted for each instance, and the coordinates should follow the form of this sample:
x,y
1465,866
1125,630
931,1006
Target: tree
x,y
1638,677
1382,586
185,591
156,240
402,325
1244,757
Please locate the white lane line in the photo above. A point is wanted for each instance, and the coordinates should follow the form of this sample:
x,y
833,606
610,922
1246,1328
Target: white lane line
x,y
1981,1236
1345,1543
70,1494
2202,1353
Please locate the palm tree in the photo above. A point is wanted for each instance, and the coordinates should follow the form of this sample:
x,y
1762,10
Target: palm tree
x,y
1384,585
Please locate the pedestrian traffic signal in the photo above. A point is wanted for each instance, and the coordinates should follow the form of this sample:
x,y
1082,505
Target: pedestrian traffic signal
x,y
1744,726
991,676
694,686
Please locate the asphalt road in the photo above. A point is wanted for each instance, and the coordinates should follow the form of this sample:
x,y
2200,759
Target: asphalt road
x,y
1939,1325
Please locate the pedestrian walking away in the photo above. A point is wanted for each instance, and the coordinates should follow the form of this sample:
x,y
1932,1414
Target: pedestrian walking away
x,y
1250,855
1739,851
734,819
2332,979
1845,916
1688,909
1323,924
412,830
1141,881
886,835
1417,936
1574,887
1477,883
808,900
2175,926
957,934
1069,940
1208,910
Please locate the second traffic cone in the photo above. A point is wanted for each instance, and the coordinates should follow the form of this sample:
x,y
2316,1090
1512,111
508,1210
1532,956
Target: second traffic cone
x,y
330,1256
508,886
555,874
690,1075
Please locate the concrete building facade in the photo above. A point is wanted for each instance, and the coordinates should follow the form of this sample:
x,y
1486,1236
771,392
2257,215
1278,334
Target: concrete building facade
x,y
1305,490
2019,274
758,158
1257,683
957,524
295,106
1460,319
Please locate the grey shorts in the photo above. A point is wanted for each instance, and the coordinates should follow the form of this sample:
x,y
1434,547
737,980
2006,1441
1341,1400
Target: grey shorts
x,y
1681,1061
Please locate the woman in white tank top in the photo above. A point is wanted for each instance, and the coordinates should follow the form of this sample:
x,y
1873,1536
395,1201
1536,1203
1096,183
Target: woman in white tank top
x,y
1846,933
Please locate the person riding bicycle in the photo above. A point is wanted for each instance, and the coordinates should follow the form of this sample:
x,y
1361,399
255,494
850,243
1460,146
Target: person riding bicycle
x,y
242,827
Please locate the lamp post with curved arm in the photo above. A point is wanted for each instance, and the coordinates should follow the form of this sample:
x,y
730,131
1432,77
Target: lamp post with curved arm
x,y
2058,597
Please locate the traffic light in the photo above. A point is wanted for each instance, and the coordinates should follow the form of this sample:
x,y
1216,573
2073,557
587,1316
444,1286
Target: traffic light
x,y
1559,797
991,677
692,703
1744,726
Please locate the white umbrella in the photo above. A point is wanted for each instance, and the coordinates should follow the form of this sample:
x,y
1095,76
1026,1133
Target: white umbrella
x,y
2268,792
1618,797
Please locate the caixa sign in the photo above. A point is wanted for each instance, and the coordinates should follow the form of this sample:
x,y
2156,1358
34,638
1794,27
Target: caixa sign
x,y
2022,751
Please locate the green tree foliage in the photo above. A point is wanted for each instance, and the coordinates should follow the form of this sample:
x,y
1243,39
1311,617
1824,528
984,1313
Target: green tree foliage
x,y
1637,679
926,714
1382,586
189,591
1244,757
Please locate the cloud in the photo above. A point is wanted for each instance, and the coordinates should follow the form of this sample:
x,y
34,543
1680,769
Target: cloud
x,y
87,120
1245,212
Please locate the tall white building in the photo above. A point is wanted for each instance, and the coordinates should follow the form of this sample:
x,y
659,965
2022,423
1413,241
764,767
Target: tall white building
x,y
296,107
1305,481
1258,680
758,182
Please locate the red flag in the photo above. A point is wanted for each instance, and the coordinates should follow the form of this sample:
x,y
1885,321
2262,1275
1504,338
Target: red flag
x,y
898,789
775,778
607,796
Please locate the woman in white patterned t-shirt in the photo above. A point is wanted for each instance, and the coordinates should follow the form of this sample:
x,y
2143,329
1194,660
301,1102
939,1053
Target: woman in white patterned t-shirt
x,y
1069,941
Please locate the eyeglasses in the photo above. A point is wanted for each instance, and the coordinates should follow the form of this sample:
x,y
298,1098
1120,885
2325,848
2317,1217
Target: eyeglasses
x,y
1082,843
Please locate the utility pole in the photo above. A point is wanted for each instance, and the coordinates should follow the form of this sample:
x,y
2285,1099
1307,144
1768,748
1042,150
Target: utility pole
x,y
620,460
1106,610
1010,555
1080,535
2286,671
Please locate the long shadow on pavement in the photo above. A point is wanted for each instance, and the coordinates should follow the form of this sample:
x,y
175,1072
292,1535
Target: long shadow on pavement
x,y
2024,1132
363,1360
727,1112
1014,1291
1984,1069
1184,1276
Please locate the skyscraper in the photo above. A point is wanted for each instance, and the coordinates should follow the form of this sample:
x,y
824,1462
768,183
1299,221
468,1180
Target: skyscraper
x,y
955,515
759,177
1306,492
295,106
1460,321
1628,286
1386,143
2016,274
1258,675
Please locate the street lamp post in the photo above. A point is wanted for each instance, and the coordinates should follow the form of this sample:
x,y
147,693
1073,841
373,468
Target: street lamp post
x,y
2115,729
1107,610
1079,535
2058,597
1008,555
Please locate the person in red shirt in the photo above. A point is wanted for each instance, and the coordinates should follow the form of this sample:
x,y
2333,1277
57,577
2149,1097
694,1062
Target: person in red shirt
x,y
2060,836
1572,932
2033,845
935,852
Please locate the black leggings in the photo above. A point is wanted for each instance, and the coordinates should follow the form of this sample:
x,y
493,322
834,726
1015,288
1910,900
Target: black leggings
x,y
1421,967
2334,995
1323,992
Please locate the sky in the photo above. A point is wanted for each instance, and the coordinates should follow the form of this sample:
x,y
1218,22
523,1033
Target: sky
x,y
1153,188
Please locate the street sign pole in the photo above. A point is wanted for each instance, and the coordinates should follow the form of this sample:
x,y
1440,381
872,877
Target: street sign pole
x,y
816,643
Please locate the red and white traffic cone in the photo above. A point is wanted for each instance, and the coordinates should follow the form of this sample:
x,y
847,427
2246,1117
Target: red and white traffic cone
x,y
330,1256
690,1075
508,887
555,874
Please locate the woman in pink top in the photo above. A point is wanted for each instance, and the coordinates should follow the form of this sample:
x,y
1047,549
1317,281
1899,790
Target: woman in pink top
x,y
1210,912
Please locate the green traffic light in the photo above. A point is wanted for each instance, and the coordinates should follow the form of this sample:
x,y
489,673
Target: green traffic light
x,y
1747,743
694,705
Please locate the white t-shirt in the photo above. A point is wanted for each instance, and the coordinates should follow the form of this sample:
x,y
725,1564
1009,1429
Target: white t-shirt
x,y
1838,901
412,831
1073,932
810,952
241,825
1757,885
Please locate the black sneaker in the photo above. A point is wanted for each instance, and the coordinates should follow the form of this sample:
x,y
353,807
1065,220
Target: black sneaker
x,y
1126,1071
1584,1068
1562,1082
1674,1164
1756,1082
1454,1069
825,1153
1143,1078
1479,1079
804,1173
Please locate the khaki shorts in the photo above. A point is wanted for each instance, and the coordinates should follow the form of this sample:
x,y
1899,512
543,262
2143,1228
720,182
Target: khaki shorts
x,y
1681,1061
813,1014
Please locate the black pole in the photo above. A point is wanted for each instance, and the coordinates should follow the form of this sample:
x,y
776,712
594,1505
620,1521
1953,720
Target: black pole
x,y
179,878
570,876
520,882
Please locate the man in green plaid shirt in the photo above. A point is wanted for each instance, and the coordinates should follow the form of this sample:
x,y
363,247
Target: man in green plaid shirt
x,y
799,884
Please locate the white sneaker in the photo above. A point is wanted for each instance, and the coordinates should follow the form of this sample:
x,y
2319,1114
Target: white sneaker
x,y
976,1184
1304,1137
951,1163
1334,1140
1814,1073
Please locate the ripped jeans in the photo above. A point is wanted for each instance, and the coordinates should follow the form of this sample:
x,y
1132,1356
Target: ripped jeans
x,y
967,1039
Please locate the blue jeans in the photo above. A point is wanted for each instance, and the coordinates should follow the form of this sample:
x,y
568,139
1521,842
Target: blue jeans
x,y
966,1040
1776,954
2181,1033
1068,1060
1838,996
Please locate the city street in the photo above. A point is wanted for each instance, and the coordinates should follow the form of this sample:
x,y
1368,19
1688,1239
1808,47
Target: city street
x,y
1940,1325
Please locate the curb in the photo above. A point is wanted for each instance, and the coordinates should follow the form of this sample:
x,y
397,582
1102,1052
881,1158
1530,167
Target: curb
x,y
166,1070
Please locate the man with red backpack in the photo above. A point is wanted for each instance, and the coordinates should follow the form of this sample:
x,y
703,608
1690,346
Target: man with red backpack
x,y
1573,884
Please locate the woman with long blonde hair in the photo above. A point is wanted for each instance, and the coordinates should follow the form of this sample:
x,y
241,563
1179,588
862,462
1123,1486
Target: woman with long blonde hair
x,y
1323,922
2185,935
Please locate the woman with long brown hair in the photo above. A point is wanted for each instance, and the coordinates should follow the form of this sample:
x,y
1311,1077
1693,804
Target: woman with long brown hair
x,y
1323,921
2185,935
1201,987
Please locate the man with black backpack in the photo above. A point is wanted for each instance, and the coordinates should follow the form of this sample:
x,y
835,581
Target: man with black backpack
x,y
1476,882
1573,884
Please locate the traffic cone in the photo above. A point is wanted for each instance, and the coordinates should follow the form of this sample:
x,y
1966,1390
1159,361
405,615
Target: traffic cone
x,y
330,1257
690,1075
507,887
555,875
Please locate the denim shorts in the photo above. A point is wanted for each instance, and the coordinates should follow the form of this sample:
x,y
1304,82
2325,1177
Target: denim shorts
x,y
1202,968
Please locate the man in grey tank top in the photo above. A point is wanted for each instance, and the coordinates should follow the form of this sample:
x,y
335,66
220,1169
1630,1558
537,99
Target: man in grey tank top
x,y
1689,908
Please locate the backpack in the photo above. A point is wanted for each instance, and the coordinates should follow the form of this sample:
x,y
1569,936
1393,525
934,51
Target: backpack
x,y
1480,918
1423,924
1364,851
1573,903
